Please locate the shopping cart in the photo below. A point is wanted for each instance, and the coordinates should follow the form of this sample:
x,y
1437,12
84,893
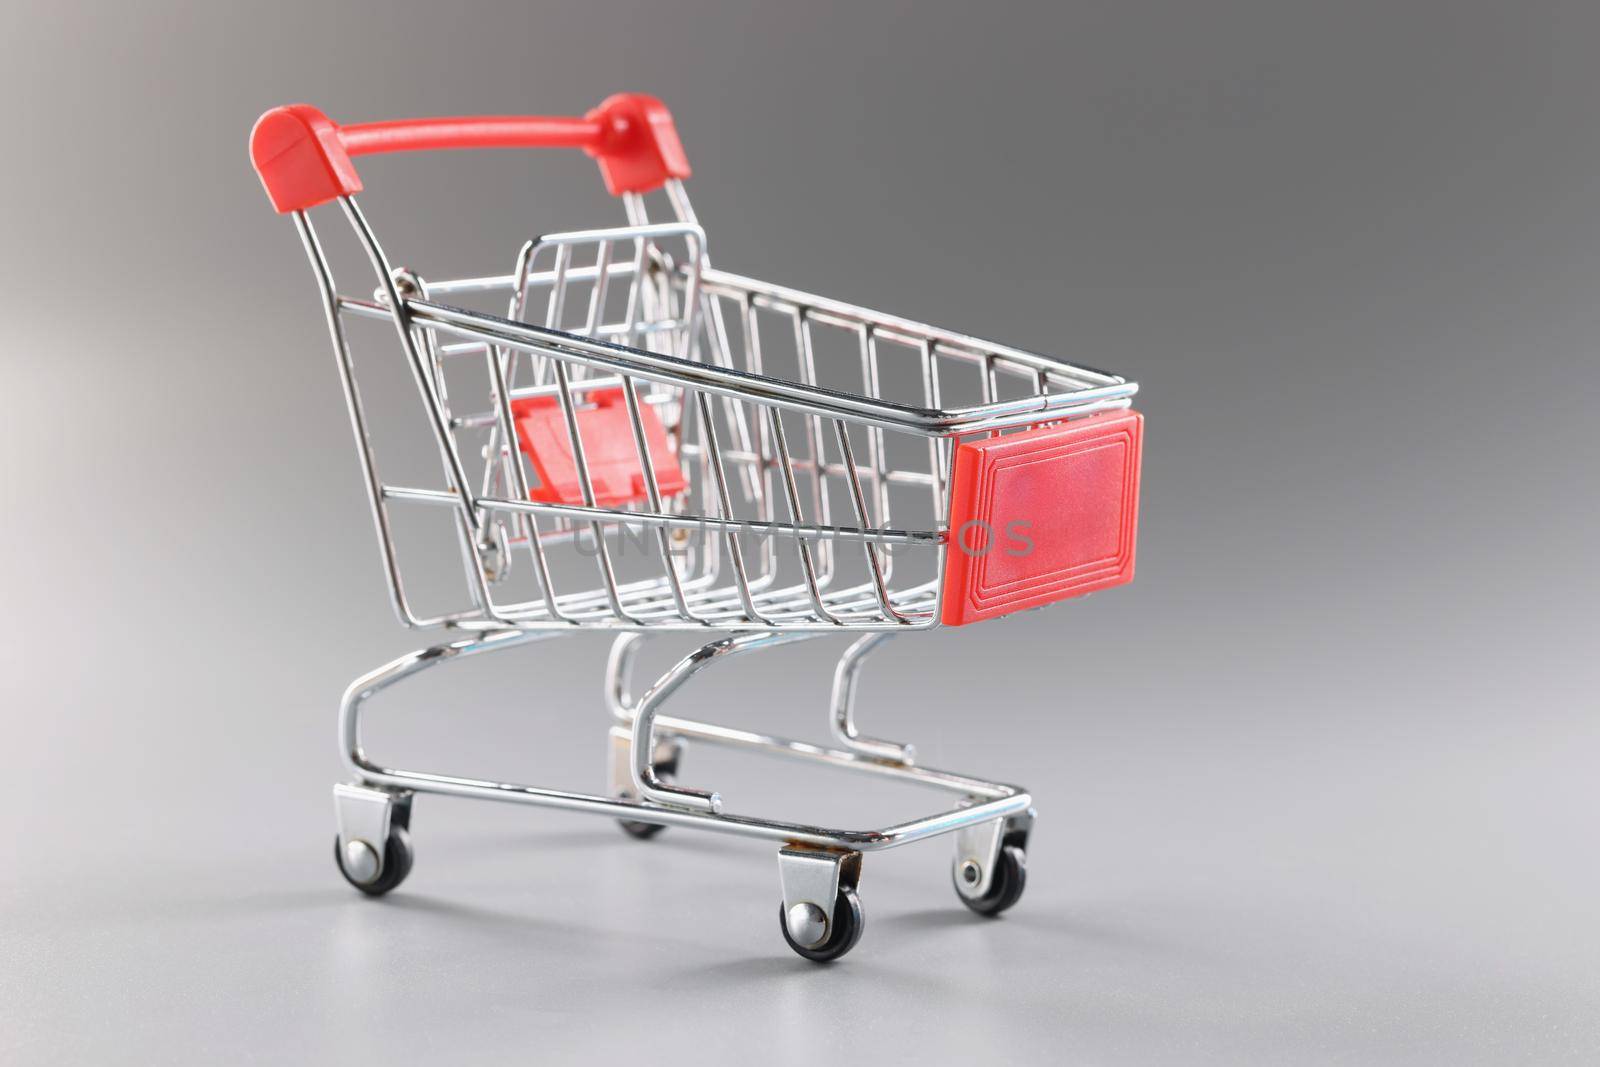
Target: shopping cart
x,y
641,443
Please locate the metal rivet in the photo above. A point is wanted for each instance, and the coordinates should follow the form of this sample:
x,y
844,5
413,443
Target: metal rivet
x,y
808,924
971,873
360,861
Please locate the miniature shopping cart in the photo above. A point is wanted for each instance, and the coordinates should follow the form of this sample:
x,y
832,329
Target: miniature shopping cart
x,y
631,441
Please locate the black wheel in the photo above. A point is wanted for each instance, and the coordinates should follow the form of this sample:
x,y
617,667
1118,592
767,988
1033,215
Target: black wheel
x,y
844,929
396,863
1006,884
644,831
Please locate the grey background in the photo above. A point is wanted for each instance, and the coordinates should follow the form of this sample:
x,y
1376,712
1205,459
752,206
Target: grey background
x,y
1319,787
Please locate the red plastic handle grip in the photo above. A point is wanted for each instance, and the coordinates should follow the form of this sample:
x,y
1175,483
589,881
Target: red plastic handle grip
x,y
304,158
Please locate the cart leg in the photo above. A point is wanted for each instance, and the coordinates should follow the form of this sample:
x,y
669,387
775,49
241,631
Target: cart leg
x,y
373,848
619,671
619,774
619,764
625,649
647,784
845,678
821,915
990,866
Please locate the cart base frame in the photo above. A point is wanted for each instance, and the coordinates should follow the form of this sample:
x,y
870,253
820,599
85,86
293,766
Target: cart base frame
x,y
819,867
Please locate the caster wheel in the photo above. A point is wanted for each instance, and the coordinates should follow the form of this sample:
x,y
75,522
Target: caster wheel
x,y
1005,885
644,831
397,855
843,929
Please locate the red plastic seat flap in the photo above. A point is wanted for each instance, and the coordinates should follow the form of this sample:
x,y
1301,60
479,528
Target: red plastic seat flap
x,y
613,460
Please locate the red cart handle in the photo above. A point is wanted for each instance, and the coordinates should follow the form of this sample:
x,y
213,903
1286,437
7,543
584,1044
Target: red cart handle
x,y
303,157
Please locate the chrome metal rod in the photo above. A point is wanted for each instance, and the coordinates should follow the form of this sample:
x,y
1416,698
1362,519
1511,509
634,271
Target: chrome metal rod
x,y
644,716
741,385
907,331
643,518
619,670
846,678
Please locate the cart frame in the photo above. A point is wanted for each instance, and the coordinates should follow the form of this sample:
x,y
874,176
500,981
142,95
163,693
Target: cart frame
x,y
819,866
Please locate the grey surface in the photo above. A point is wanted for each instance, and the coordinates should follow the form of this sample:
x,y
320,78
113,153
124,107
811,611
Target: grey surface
x,y
1319,787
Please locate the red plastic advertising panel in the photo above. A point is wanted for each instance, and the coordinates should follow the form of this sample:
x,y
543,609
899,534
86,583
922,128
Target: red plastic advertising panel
x,y
1042,515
